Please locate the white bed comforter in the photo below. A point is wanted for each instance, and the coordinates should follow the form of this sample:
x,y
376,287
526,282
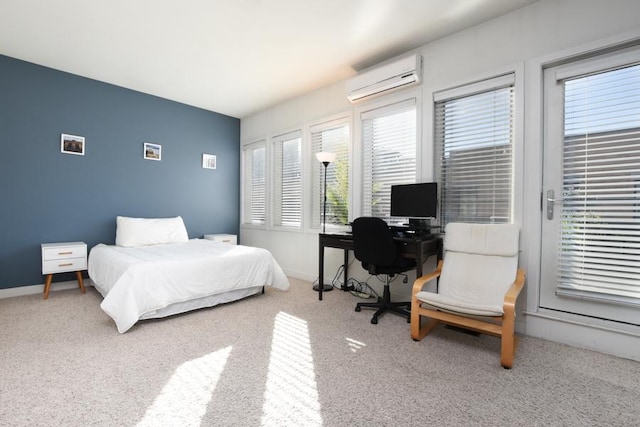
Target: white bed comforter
x,y
140,280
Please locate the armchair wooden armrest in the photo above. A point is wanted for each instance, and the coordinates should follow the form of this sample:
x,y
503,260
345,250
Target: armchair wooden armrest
x,y
509,340
514,291
423,280
416,332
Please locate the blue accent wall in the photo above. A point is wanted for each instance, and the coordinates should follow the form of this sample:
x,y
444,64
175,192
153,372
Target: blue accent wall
x,y
48,196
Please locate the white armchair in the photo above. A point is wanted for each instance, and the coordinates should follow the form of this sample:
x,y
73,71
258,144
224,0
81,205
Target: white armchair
x,y
479,282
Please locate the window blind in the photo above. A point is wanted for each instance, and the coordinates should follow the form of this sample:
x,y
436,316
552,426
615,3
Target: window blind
x,y
474,152
333,137
254,174
599,256
389,154
287,169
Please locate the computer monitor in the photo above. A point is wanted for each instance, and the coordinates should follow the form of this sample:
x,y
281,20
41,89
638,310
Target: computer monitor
x,y
418,202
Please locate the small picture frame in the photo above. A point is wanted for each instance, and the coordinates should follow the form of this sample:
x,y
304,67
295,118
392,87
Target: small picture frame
x,y
208,161
72,144
152,151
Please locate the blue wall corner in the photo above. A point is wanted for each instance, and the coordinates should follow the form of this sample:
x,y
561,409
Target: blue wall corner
x,y
49,196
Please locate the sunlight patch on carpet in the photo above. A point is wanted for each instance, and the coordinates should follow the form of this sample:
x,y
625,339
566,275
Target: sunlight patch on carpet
x,y
183,400
291,395
354,345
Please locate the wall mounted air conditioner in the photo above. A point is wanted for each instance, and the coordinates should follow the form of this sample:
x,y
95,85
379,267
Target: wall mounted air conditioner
x,y
385,78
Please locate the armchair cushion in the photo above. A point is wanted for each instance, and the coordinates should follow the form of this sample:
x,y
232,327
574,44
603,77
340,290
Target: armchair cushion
x,y
473,284
486,239
454,305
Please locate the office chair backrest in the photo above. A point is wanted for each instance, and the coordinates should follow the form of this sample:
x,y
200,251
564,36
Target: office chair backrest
x,y
373,241
480,263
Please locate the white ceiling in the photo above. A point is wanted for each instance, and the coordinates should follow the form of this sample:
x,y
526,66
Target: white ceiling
x,y
234,57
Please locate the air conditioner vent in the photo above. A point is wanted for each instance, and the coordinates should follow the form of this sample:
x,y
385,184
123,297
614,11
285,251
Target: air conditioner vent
x,y
385,78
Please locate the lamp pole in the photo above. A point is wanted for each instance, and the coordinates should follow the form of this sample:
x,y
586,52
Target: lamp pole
x,y
325,158
324,208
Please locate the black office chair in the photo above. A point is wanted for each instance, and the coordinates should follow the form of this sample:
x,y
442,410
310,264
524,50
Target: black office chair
x,y
375,248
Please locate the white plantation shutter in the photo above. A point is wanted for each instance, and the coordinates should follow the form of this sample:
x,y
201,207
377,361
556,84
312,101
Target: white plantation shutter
x,y
389,154
254,188
474,135
600,232
287,179
332,137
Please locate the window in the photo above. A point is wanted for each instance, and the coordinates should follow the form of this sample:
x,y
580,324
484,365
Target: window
x,y
474,151
254,186
333,137
389,154
287,180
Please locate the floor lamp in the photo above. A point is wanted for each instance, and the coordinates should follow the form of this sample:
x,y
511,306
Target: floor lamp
x,y
324,158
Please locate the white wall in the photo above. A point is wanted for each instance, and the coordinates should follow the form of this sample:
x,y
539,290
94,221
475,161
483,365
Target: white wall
x,y
522,42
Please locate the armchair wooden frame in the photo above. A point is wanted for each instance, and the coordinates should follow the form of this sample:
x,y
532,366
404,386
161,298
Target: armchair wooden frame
x,y
500,326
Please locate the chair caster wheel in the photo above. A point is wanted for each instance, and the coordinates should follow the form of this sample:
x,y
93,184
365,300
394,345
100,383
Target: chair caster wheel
x,y
357,308
374,321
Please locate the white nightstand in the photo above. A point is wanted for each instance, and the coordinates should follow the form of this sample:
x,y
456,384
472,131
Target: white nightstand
x,y
63,258
232,239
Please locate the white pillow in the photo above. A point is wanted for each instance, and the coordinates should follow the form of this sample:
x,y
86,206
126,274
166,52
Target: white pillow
x,y
149,231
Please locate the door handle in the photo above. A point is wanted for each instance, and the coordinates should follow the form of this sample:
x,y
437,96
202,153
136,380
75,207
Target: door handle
x,y
550,201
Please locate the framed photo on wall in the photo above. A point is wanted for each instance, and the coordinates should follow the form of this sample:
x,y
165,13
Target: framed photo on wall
x,y
208,161
72,144
152,151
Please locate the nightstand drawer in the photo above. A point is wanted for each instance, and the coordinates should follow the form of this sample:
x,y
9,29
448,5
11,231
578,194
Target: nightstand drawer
x,y
63,252
232,239
63,265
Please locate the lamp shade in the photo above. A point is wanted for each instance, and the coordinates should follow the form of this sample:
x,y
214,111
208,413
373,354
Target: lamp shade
x,y
325,157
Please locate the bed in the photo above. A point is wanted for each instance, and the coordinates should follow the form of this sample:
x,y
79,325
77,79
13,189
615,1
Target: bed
x,y
155,271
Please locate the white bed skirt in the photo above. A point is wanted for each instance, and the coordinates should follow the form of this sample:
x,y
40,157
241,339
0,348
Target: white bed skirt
x,y
210,301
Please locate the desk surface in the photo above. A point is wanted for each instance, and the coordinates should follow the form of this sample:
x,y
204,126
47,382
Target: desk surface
x,y
408,237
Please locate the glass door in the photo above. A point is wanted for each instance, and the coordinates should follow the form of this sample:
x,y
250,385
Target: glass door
x,y
591,188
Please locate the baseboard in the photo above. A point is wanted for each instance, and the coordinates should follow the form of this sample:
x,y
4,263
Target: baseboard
x,y
39,289
300,275
578,333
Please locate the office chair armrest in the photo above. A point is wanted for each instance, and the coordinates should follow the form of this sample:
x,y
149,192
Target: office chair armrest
x,y
512,294
422,280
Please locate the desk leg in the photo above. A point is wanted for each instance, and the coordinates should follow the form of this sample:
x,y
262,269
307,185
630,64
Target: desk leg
x,y
420,260
346,273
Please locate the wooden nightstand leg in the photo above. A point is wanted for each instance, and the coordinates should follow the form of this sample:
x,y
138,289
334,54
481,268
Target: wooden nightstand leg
x,y
47,285
80,283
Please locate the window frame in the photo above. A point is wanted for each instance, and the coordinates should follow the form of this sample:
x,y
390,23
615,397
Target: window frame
x,y
316,169
275,188
245,211
410,95
477,85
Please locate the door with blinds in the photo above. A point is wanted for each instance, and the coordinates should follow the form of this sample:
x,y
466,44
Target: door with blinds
x,y
591,188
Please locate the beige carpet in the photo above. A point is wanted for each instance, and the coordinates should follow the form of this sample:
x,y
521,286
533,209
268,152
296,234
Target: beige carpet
x,y
284,358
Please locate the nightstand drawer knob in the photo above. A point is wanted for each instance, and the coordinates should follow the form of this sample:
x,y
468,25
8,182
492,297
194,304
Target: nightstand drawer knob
x,y
65,253
65,265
